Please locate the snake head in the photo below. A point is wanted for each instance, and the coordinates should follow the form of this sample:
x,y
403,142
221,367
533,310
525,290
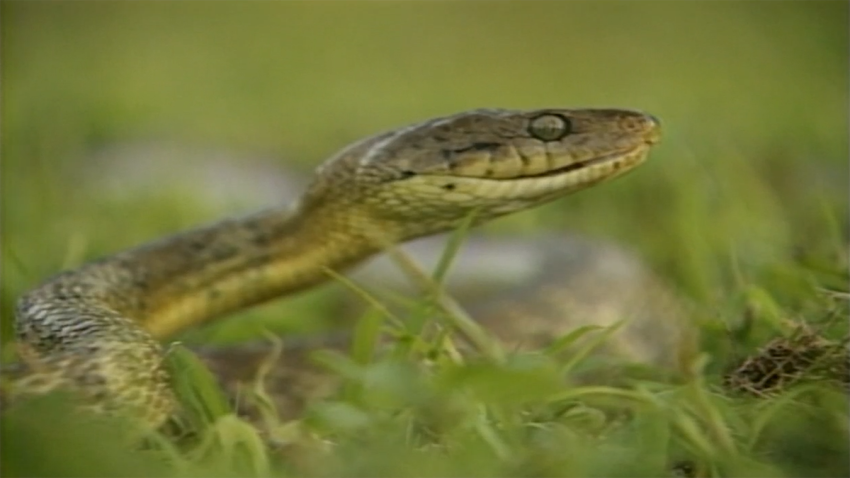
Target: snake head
x,y
427,177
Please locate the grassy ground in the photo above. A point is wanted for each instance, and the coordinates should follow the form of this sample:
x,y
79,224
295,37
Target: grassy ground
x,y
743,207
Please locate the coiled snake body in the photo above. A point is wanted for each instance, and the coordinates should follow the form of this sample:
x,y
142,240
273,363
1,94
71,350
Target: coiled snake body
x,y
96,329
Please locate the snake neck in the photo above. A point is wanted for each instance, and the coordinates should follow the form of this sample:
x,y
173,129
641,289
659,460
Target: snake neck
x,y
208,272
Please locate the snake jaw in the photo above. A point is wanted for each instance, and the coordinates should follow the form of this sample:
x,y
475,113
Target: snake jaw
x,y
428,198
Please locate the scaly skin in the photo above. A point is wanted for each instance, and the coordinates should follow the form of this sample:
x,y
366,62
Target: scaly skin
x,y
96,329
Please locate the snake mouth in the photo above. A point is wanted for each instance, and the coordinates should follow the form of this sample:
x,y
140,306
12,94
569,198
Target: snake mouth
x,y
605,158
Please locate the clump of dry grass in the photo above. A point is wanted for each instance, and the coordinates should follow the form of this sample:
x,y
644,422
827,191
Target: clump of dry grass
x,y
804,356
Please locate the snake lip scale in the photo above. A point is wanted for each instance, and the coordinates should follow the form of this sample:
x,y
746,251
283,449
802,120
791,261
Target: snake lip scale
x,y
96,329
612,157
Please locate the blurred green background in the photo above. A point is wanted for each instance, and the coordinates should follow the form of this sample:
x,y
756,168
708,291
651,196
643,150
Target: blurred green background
x,y
743,207
753,97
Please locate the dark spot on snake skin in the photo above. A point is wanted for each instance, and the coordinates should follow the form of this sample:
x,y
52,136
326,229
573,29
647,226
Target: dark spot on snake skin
x,y
524,159
259,234
258,261
449,186
141,283
92,379
261,239
407,174
223,251
196,245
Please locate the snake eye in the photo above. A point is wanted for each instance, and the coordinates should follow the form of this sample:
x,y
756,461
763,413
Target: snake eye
x,y
549,127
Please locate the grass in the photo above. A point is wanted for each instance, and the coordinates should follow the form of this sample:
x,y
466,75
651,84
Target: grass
x,y
743,208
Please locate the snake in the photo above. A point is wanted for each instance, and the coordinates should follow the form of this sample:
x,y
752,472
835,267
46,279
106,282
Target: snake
x,y
98,329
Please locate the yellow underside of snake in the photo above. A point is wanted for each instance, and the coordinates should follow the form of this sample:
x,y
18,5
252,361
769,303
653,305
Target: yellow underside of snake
x,y
96,329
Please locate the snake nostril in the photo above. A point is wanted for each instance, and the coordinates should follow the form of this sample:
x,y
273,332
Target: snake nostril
x,y
652,129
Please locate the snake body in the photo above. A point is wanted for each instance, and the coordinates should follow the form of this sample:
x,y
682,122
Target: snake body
x,y
96,329
527,292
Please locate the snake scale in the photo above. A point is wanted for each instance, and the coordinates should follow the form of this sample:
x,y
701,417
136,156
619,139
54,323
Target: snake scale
x,y
97,329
